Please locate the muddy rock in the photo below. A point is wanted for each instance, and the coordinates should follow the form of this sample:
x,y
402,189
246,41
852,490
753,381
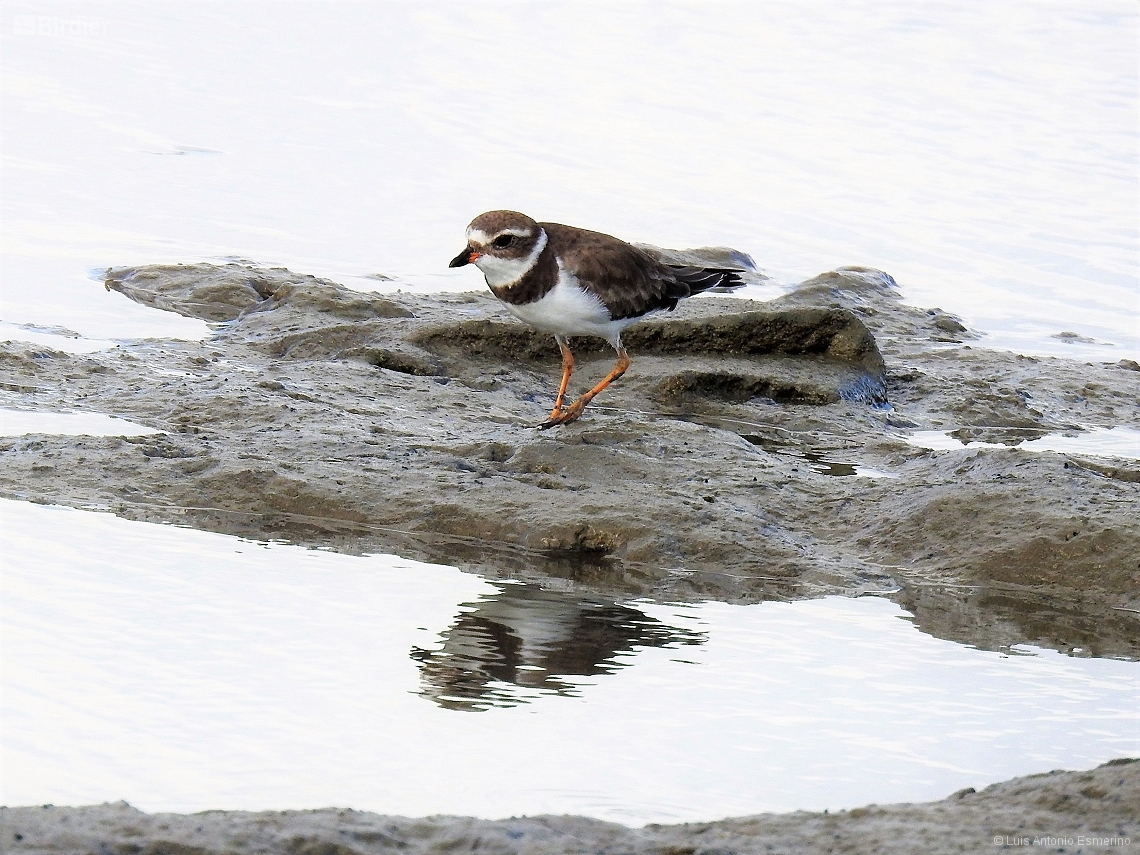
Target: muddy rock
x,y
1088,812
753,451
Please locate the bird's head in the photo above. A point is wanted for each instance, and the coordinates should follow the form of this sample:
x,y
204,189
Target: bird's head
x,y
504,245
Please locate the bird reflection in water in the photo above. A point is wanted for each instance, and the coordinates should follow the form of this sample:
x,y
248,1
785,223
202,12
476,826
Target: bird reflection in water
x,y
504,649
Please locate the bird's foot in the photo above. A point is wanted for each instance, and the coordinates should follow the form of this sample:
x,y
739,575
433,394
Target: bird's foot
x,y
562,417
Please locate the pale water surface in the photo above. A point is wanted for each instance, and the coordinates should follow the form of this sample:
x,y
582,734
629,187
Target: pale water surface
x,y
183,670
984,154
21,422
1118,442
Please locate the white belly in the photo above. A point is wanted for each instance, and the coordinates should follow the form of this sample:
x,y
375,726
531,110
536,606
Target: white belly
x,y
568,310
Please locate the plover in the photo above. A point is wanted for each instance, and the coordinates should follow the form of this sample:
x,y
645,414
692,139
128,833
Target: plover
x,y
570,282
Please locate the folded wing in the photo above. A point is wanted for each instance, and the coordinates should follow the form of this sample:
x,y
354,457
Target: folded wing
x,y
629,279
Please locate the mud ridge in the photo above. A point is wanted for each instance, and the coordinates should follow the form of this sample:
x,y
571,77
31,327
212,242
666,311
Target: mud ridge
x,y
1087,812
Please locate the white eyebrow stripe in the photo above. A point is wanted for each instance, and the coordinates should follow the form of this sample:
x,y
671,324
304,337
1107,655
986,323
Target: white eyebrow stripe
x,y
479,236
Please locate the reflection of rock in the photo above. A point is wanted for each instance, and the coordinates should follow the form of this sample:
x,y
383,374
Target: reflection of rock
x,y
998,617
530,637
1011,436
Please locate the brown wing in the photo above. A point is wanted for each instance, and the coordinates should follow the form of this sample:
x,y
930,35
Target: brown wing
x,y
627,279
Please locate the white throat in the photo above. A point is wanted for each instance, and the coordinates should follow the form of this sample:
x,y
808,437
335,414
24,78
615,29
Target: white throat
x,y
507,271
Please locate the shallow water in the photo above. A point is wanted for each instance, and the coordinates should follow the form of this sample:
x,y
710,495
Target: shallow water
x,y
826,461
21,422
986,156
183,670
53,338
1118,442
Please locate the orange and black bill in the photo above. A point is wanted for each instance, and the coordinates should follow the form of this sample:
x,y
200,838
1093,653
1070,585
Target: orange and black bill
x,y
466,257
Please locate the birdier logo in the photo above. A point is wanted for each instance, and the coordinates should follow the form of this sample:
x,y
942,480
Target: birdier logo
x,y
59,28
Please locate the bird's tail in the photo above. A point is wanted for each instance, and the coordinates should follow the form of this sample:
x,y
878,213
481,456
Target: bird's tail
x,y
709,268
717,280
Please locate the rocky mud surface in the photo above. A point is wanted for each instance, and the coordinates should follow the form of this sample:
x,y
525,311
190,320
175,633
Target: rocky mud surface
x,y
754,451
1075,812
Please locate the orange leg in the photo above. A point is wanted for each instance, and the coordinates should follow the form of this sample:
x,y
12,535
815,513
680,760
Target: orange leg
x,y
574,410
567,369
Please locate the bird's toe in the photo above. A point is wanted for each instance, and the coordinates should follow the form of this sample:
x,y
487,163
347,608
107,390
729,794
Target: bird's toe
x,y
564,416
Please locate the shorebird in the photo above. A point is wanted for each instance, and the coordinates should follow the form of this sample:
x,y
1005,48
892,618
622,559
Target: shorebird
x,y
573,282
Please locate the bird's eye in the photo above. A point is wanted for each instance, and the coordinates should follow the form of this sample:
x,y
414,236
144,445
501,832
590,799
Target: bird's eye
x,y
503,241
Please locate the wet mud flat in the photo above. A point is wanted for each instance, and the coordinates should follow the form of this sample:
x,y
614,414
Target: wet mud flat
x,y
754,451
1087,812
